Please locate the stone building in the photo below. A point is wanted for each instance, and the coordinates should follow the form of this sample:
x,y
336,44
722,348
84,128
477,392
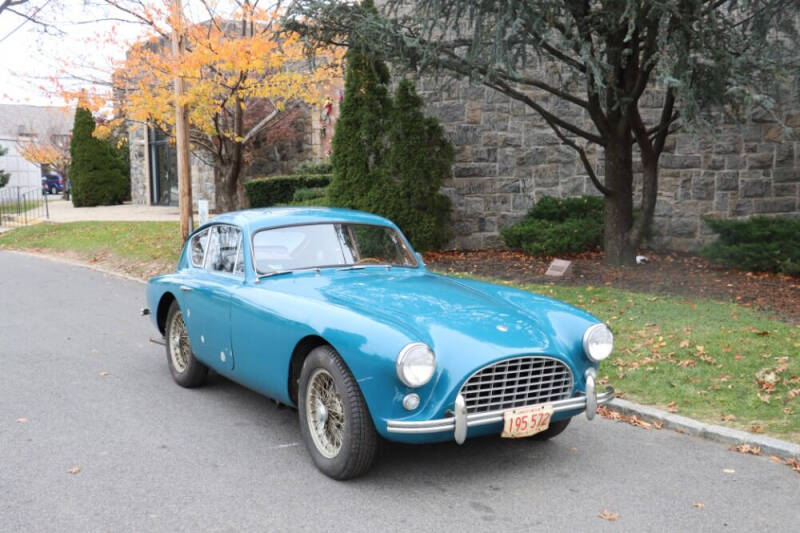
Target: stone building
x,y
507,158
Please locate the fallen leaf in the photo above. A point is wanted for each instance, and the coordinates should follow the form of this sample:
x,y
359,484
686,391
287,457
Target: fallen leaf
x,y
737,357
728,471
755,428
672,407
687,363
684,344
608,515
746,448
762,333
700,349
728,418
75,469
699,505
776,459
763,397
794,463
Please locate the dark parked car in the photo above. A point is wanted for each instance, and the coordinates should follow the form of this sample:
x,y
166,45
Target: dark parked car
x,y
52,183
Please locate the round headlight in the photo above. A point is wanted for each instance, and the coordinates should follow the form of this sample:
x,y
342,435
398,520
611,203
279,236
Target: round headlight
x,y
415,364
598,341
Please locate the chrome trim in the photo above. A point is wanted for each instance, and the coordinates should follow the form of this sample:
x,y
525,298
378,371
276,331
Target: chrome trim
x,y
185,288
481,419
591,396
460,433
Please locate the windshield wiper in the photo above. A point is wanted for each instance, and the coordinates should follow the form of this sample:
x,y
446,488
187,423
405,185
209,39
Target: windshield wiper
x,y
360,267
275,273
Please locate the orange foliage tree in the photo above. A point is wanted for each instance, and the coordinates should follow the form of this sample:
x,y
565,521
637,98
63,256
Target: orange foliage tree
x,y
245,78
52,151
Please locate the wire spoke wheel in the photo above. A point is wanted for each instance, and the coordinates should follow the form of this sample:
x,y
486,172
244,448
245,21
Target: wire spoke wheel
x,y
179,347
325,413
185,369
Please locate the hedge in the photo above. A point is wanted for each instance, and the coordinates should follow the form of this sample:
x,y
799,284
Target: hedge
x,y
558,226
757,244
273,190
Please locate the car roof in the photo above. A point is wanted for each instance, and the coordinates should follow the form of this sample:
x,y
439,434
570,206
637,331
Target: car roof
x,y
273,217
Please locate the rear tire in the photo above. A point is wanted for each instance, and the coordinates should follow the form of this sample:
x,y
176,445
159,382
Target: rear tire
x,y
554,429
334,420
185,369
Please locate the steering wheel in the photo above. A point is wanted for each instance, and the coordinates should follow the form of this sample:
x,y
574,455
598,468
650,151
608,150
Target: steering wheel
x,y
369,260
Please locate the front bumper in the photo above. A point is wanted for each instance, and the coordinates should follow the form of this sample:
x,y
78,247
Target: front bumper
x,y
462,420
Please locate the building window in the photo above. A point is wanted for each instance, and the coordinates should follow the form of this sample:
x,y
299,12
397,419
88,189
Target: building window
x,y
163,168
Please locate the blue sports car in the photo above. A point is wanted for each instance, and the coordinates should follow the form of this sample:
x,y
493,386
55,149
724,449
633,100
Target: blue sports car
x,y
331,311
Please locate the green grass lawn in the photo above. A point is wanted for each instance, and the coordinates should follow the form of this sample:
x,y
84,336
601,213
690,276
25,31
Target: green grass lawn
x,y
136,248
718,362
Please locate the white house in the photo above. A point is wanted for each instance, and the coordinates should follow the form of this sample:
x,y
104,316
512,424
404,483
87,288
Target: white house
x,y
20,123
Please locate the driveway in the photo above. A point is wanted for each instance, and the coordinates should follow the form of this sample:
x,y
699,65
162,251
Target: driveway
x,y
84,390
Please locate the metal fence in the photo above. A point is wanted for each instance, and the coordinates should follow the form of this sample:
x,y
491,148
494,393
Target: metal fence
x,y
20,206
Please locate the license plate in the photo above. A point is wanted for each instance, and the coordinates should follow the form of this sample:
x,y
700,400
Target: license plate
x,y
526,421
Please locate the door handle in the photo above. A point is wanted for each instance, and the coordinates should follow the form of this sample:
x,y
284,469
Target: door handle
x,y
185,288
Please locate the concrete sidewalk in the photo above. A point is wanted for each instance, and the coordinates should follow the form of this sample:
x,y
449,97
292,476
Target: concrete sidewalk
x,y
63,211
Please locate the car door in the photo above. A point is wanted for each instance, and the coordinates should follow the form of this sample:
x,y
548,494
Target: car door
x,y
208,298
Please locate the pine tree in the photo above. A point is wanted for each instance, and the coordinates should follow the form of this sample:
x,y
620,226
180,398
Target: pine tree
x,y
418,162
388,158
97,176
359,141
4,176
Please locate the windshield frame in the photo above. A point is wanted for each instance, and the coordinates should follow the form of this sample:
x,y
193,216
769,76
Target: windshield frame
x,y
417,263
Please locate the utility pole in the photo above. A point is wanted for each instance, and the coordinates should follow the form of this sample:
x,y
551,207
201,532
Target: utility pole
x,y
181,125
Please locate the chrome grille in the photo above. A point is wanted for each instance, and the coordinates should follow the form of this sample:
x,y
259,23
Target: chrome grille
x,y
516,383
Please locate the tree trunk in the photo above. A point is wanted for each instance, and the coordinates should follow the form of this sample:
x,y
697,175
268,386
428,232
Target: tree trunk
x,y
619,250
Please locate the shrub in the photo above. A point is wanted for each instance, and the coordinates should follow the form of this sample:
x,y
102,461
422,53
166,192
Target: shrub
x,y
757,244
308,167
97,171
273,190
558,226
309,195
4,176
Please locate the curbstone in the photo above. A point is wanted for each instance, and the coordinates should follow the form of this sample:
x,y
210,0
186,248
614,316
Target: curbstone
x,y
719,434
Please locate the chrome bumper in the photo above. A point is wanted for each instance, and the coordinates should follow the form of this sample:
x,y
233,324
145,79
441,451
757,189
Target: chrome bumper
x,y
462,420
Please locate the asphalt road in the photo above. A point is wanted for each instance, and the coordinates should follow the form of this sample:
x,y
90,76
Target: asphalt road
x,y
95,394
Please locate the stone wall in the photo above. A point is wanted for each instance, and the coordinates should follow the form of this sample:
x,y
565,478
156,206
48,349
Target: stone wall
x,y
507,158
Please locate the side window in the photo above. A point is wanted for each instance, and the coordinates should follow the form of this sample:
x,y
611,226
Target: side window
x,y
198,247
222,248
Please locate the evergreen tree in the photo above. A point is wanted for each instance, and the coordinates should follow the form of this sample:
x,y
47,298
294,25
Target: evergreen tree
x,y
418,162
97,173
4,176
359,141
388,158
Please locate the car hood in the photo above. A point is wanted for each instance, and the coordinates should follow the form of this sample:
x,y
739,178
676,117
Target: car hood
x,y
447,312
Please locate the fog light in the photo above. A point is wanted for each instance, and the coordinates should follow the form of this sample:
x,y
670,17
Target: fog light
x,y
411,401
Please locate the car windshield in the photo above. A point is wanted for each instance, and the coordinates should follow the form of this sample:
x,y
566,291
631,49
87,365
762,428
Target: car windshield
x,y
329,245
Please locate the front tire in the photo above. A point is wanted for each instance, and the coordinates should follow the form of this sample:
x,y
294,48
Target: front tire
x,y
336,426
185,369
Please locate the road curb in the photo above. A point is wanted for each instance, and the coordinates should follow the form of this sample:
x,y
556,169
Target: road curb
x,y
712,432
